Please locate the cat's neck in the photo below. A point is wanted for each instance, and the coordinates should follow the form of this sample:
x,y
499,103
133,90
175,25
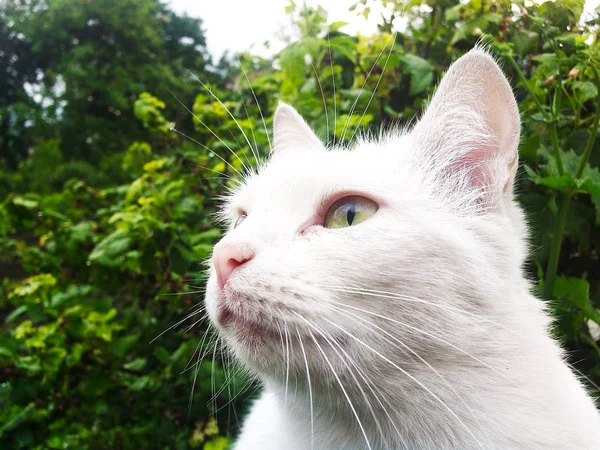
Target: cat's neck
x,y
449,394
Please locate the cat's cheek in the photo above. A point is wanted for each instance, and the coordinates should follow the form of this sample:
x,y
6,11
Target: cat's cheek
x,y
211,299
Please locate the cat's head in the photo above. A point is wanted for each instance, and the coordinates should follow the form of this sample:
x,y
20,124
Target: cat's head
x,y
379,252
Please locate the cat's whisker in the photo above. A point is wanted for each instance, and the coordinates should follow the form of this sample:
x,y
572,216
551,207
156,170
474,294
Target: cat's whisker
x,y
395,296
376,86
211,151
213,384
252,150
287,361
221,174
432,336
312,424
201,288
333,81
175,325
324,102
191,399
196,371
331,341
196,350
255,150
238,146
584,376
195,323
230,402
396,366
222,105
200,349
257,104
283,357
377,395
224,385
253,392
339,381
362,88
391,295
250,377
170,294
212,178
372,388
201,122
231,381
229,375
371,325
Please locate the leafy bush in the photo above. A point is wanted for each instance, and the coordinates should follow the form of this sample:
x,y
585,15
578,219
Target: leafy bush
x,y
98,258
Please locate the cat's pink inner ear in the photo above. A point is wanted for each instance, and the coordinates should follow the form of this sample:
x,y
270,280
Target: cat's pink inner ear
x,y
473,123
291,132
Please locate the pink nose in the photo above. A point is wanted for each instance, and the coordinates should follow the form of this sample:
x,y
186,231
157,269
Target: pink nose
x,y
227,257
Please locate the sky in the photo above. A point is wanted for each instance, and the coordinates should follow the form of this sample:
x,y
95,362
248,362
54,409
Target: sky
x,y
238,25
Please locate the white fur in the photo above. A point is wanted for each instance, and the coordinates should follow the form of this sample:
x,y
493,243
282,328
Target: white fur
x,y
455,351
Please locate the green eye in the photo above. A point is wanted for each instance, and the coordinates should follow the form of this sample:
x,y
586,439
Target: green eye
x,y
350,211
240,219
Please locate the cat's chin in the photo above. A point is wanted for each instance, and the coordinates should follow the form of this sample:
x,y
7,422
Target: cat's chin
x,y
246,331
261,342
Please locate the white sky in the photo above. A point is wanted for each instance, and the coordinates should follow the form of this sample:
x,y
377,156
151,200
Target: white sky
x,y
239,25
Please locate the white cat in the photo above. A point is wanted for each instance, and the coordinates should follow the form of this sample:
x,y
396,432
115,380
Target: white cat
x,y
378,292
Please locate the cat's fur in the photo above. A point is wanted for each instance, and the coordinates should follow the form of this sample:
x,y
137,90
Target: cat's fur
x,y
431,328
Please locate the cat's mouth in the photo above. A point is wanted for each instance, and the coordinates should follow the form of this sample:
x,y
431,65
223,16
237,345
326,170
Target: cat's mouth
x,y
255,332
245,329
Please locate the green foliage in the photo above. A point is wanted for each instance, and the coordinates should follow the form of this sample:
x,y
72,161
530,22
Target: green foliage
x,y
106,211
95,57
112,271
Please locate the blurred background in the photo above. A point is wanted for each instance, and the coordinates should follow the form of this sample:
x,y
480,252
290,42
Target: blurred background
x,y
121,122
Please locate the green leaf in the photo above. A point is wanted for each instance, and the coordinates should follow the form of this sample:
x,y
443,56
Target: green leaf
x,y
32,284
123,345
155,165
7,349
524,41
75,356
337,25
589,182
529,146
452,14
421,72
15,313
109,251
135,189
584,91
82,231
290,7
576,291
52,360
344,45
219,443
293,65
17,419
596,202
25,203
136,364
140,383
558,183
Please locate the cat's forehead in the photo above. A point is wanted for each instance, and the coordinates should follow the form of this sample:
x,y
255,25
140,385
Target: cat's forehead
x,y
301,180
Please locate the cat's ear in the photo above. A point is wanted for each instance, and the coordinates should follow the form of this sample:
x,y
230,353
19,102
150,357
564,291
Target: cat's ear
x,y
291,132
472,125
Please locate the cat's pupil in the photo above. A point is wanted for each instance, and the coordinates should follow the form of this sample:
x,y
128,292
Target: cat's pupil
x,y
350,215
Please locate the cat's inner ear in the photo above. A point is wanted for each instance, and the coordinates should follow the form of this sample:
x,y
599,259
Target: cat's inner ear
x,y
472,126
291,132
